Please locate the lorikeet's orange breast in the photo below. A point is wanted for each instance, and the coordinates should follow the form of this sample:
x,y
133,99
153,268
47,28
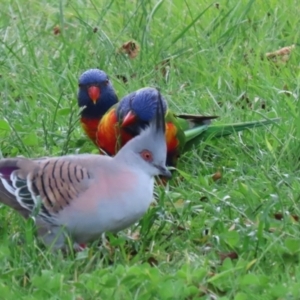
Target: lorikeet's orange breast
x,y
171,137
172,144
108,133
109,136
90,127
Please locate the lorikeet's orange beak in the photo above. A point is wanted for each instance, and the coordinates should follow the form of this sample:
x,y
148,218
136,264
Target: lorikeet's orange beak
x,y
129,119
94,93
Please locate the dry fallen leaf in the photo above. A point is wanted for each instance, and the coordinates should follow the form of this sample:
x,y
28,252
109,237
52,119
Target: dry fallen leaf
x,y
231,255
283,54
56,30
130,48
217,176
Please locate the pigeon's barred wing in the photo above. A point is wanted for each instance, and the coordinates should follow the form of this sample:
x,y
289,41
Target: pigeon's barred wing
x,y
43,187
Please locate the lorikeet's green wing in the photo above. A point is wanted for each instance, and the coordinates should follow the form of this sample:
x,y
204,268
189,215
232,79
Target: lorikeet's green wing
x,y
198,134
176,125
193,125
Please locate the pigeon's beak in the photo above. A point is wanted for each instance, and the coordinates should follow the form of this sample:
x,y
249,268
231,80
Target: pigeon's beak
x,y
129,119
163,171
94,93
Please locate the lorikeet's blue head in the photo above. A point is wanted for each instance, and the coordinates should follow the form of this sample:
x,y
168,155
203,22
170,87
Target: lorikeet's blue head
x,y
95,93
139,107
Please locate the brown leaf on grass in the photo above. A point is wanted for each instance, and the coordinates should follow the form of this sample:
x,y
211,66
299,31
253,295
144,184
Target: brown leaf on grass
x,y
232,255
217,176
283,54
130,48
56,30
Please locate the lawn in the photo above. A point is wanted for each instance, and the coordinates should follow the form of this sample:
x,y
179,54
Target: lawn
x,y
228,226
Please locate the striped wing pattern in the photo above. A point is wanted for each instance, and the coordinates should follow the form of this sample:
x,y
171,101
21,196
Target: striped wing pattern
x,y
48,187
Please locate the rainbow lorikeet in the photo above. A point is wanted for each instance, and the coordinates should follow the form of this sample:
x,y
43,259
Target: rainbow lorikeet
x,y
134,112
96,96
125,119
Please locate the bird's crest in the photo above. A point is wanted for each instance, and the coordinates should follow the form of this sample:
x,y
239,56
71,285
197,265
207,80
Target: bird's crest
x,y
160,116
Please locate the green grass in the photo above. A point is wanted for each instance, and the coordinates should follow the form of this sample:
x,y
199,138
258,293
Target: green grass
x,y
215,58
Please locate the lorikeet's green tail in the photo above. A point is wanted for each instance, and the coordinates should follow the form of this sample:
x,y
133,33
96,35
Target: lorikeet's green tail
x,y
198,134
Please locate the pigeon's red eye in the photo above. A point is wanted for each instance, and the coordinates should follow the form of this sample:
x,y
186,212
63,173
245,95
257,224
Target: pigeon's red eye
x,y
146,155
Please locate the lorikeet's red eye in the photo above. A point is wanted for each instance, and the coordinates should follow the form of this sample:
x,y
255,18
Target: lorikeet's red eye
x,y
146,155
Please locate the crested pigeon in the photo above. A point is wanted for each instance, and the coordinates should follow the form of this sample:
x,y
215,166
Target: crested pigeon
x,y
83,196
